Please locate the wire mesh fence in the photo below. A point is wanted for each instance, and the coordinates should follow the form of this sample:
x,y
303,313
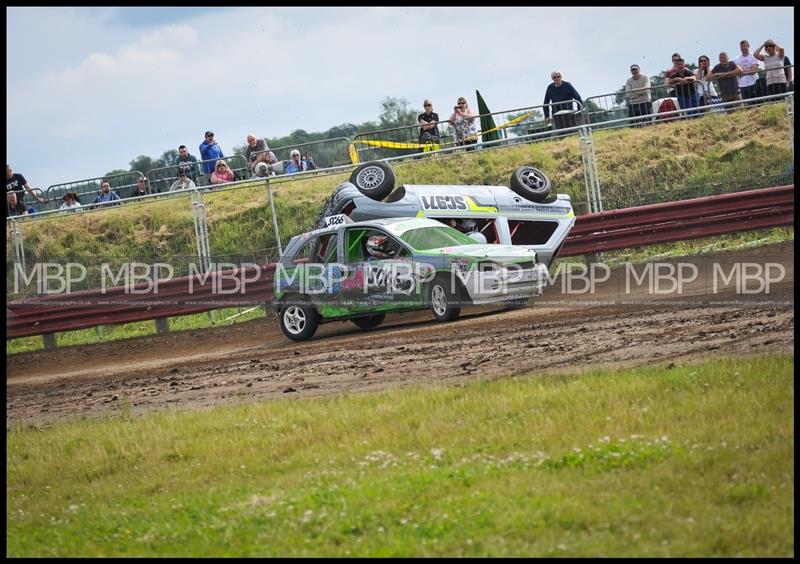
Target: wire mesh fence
x,y
123,185
166,179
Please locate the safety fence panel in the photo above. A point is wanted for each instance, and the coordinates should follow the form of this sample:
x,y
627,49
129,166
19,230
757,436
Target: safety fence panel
x,y
124,185
163,179
648,105
90,248
669,162
326,153
768,83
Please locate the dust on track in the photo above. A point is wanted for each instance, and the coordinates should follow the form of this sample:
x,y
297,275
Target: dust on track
x,y
253,361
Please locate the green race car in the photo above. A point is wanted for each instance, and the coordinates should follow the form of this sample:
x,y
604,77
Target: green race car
x,y
362,271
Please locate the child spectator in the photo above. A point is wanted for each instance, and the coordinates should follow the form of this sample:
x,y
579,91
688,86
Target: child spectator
x,y
71,201
463,122
295,164
222,173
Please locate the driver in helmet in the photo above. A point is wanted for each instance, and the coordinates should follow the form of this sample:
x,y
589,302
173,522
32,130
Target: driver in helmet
x,y
470,228
378,247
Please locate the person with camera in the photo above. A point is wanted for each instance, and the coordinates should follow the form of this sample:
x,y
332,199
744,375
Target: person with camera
x,y
463,122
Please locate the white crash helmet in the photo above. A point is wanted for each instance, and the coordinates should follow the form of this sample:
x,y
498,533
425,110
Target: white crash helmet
x,y
378,246
469,225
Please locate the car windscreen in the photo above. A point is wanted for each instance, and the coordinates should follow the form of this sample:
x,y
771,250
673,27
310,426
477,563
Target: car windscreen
x,y
425,238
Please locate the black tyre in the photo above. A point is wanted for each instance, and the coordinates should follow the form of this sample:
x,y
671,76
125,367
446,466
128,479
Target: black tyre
x,y
374,179
298,321
530,183
444,303
370,322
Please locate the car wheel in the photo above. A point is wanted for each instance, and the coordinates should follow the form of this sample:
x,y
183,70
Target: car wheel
x,y
530,183
444,303
299,322
374,179
370,322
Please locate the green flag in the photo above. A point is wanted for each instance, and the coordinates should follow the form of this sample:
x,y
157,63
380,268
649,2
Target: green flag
x,y
487,121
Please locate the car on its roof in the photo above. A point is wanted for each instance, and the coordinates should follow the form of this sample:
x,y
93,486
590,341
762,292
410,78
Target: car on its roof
x,y
361,271
525,213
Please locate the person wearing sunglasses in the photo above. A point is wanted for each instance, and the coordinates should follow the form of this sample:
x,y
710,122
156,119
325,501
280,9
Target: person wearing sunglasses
x,y
560,91
222,173
773,64
463,122
428,128
705,88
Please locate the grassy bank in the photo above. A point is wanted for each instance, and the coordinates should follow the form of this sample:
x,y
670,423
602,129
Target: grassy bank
x,y
694,459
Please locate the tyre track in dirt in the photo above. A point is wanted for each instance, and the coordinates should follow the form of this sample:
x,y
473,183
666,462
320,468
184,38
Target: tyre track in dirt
x,y
254,362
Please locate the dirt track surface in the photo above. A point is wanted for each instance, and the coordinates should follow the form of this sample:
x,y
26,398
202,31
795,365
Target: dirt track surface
x,y
253,361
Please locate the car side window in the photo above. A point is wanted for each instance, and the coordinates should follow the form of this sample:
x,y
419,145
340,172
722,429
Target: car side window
x,y
356,244
526,232
320,249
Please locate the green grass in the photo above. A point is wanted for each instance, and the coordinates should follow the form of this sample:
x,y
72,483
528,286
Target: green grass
x,y
692,460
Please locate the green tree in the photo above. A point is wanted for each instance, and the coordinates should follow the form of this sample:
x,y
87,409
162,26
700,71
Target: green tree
x,y
396,113
143,164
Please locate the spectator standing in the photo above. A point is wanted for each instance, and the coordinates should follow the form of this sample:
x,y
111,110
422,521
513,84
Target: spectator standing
x,y
142,188
463,122
16,183
705,88
773,64
787,69
257,151
671,71
295,164
559,93
71,201
106,193
428,128
222,173
726,73
210,153
187,162
749,65
637,90
683,80
14,206
183,182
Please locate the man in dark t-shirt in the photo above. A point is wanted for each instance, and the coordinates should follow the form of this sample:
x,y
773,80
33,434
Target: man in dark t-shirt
x,y
15,182
726,72
428,130
683,80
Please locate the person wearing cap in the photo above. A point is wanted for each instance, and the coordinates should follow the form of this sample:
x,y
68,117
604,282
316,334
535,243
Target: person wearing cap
x,y
559,91
773,64
296,164
183,182
210,153
637,90
71,201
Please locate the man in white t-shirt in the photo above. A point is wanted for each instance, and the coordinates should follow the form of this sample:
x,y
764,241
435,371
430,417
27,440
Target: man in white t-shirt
x,y
749,64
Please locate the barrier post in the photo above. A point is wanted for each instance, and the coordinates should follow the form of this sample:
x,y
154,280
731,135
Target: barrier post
x,y
49,341
789,102
274,217
591,177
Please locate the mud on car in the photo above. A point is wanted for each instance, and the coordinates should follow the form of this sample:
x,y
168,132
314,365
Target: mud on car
x,y
524,213
360,271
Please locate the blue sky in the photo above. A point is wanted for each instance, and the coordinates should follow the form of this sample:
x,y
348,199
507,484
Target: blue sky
x,y
89,89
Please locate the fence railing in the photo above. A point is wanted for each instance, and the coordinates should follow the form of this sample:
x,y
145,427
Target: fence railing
x,y
326,153
161,179
123,184
408,139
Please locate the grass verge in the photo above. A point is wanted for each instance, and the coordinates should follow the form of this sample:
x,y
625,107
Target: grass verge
x,y
695,459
